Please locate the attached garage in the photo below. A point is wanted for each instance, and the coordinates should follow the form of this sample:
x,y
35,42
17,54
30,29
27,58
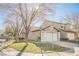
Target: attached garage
x,y
46,37
52,32
55,36
49,36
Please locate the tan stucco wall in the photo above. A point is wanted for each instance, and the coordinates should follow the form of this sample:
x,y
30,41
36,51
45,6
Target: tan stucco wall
x,y
58,36
70,36
78,35
34,35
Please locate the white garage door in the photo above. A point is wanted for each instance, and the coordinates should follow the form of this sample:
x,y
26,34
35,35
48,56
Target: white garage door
x,y
55,36
48,37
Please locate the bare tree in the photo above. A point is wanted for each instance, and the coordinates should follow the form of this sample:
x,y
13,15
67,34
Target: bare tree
x,y
73,19
29,13
14,25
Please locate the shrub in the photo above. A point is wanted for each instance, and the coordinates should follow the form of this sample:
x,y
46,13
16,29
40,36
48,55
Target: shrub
x,y
73,41
30,40
21,39
64,39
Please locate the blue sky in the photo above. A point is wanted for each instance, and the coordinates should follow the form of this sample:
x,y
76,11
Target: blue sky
x,y
62,10
2,15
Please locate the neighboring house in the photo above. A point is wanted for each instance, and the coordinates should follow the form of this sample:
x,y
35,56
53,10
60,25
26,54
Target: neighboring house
x,y
3,38
53,31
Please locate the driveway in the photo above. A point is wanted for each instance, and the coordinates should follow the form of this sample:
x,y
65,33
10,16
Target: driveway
x,y
66,44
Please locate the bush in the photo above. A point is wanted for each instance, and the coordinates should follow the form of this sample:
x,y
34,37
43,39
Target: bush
x,y
21,39
72,41
32,41
64,39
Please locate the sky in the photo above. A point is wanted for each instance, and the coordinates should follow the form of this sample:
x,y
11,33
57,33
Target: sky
x,y
62,10
2,15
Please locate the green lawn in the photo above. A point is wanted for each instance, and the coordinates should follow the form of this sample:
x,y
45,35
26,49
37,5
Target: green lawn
x,y
34,47
50,47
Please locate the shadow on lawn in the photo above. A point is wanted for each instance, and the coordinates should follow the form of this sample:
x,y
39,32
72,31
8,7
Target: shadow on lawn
x,y
6,47
1,53
20,53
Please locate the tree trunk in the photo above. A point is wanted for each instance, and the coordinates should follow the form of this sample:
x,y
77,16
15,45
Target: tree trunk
x,y
26,37
76,36
17,37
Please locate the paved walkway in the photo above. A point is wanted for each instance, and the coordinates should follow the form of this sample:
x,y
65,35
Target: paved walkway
x,y
66,44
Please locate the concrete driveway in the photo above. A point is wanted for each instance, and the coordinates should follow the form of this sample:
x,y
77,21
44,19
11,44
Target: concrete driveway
x,y
66,44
